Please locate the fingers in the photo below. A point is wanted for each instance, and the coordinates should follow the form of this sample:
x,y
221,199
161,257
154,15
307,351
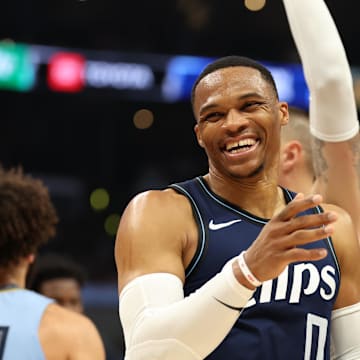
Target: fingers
x,y
311,221
298,205
302,237
308,228
301,254
282,239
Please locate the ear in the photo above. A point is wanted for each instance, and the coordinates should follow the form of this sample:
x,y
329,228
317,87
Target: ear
x,y
198,135
291,156
284,113
30,258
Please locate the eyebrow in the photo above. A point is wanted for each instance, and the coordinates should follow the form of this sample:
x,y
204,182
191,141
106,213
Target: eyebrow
x,y
241,97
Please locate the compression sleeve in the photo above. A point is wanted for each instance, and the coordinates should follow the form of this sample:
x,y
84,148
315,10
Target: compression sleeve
x,y
333,113
345,333
160,324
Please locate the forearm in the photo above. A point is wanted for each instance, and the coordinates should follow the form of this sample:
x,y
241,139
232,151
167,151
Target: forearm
x,y
333,114
160,322
337,171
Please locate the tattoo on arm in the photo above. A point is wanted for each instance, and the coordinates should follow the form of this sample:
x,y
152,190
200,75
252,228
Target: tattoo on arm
x,y
355,149
319,162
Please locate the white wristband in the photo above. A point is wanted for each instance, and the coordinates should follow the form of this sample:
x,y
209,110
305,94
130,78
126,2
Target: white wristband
x,y
246,271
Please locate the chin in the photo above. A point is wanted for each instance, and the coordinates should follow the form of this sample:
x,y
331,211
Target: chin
x,y
241,173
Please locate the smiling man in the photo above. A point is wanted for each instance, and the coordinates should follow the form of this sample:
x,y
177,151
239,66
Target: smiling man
x,y
229,265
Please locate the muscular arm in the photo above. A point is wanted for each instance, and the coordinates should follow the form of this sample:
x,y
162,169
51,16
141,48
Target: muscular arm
x,y
346,314
67,335
156,239
333,113
348,253
337,169
152,236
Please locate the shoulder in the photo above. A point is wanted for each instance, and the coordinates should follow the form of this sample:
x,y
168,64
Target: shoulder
x,y
348,254
344,224
167,197
156,233
155,207
344,236
69,333
54,312
344,221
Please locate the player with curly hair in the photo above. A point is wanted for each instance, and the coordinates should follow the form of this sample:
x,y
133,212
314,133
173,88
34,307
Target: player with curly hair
x,y
32,326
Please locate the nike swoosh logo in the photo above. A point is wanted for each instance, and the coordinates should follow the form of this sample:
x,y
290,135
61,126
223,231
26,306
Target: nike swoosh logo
x,y
229,306
219,226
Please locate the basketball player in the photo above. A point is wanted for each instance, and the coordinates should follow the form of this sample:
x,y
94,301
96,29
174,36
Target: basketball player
x,y
60,278
229,265
333,114
33,326
222,266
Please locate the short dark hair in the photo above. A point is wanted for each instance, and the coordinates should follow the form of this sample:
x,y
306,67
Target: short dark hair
x,y
27,216
232,61
54,266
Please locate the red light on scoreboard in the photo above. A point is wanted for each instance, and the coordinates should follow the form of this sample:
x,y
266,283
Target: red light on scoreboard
x,y
66,72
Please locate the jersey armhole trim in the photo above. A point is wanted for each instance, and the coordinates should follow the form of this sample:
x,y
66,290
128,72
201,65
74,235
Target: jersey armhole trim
x,y
201,227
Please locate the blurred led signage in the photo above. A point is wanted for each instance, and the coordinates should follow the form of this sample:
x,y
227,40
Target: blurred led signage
x,y
17,70
182,71
133,76
180,74
119,75
291,84
66,72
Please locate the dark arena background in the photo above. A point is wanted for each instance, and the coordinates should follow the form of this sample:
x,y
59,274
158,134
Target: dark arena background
x,y
94,100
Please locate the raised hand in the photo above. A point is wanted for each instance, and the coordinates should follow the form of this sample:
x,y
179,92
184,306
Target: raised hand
x,y
279,243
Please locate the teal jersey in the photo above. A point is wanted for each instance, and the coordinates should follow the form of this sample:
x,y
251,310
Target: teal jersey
x,y
21,311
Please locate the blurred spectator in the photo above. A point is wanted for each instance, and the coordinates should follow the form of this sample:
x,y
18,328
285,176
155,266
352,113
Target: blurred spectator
x,y
60,278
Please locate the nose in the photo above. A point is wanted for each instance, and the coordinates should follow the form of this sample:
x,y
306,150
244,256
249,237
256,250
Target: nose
x,y
235,121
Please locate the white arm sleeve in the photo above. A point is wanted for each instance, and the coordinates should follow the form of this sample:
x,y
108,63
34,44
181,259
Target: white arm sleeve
x,y
345,333
160,324
333,113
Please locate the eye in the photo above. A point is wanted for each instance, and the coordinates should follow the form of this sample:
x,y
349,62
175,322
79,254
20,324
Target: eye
x,y
252,104
212,117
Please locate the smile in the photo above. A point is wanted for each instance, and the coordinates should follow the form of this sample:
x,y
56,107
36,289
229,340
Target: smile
x,y
241,145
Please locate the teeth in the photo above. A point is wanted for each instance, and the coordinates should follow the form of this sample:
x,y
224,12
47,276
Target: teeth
x,y
232,145
245,142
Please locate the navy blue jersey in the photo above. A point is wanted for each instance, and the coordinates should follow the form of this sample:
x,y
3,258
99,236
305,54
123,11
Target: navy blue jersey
x,y
288,317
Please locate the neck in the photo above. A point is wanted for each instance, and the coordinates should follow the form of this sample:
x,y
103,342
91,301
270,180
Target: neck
x,y
262,198
299,182
13,275
8,286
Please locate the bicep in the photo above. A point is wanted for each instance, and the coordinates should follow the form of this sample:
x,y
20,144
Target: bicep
x,y
149,239
348,253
